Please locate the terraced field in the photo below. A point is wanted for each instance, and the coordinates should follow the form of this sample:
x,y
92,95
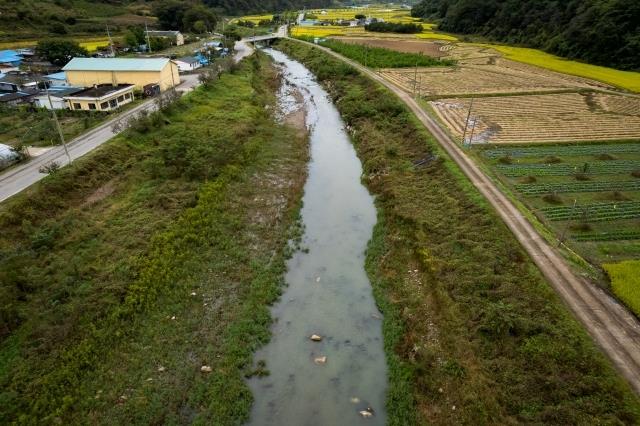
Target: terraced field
x,y
544,118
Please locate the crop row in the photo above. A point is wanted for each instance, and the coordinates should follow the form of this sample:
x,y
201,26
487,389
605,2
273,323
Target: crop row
x,y
566,150
546,188
594,212
608,236
566,169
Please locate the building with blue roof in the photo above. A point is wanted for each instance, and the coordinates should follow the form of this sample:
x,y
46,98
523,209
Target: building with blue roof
x,y
10,57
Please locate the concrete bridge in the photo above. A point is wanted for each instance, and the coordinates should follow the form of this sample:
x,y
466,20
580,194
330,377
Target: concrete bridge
x,y
282,33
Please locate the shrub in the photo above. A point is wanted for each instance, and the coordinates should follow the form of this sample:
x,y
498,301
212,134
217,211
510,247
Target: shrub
x,y
552,199
392,27
552,159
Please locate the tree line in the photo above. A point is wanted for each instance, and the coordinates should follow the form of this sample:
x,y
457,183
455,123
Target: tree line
x,y
603,32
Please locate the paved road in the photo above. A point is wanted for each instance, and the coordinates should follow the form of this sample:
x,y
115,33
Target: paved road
x,y
611,325
21,177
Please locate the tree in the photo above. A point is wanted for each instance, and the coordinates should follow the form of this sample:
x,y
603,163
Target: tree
x,y
59,52
58,28
360,16
135,36
170,14
201,14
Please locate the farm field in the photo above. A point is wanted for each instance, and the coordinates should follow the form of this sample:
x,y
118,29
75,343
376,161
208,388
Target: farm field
x,y
543,118
624,79
501,76
401,45
587,194
378,57
388,14
328,24
90,43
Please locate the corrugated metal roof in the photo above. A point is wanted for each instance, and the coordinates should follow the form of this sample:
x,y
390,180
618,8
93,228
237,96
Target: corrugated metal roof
x,y
116,64
188,60
57,76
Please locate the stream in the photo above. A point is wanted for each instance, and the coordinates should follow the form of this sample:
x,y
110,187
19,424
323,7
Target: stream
x,y
327,291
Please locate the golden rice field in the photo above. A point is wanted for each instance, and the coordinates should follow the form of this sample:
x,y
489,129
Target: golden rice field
x,y
94,44
335,30
562,117
389,15
91,44
625,282
623,79
254,18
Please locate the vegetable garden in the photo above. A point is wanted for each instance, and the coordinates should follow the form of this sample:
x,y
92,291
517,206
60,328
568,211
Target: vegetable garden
x,y
563,150
546,188
594,212
568,169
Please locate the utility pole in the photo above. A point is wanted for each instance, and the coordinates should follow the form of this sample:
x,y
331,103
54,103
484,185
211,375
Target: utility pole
x,y
564,231
55,119
415,80
113,53
472,130
466,123
146,30
366,54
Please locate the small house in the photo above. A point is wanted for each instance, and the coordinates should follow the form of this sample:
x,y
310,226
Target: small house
x,y
188,63
104,97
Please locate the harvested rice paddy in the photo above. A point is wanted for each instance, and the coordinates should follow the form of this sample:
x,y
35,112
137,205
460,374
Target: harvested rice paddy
x,y
542,118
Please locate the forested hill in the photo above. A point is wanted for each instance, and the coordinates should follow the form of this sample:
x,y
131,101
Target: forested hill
x,y
32,19
604,32
238,7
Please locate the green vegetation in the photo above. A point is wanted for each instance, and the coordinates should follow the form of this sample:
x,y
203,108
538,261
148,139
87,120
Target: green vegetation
x,y
22,126
568,149
568,169
377,57
122,275
59,52
596,212
587,194
625,282
603,32
469,321
600,186
394,27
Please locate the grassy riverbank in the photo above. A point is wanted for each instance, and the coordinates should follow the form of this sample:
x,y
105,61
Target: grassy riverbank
x,y
153,256
473,333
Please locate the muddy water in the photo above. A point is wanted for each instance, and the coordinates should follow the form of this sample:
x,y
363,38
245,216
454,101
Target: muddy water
x,y
328,292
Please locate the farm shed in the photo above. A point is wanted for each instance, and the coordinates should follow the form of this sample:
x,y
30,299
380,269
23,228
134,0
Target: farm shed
x,y
176,37
87,72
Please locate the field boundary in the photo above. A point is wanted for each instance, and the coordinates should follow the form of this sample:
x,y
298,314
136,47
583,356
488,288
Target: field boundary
x,y
611,325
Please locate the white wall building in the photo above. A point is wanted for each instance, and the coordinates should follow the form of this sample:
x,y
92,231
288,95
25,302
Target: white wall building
x,y
188,63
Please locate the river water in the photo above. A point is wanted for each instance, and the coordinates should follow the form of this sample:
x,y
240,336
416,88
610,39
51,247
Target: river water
x,y
328,292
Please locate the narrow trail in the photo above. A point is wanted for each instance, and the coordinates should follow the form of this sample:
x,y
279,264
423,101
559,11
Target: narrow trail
x,y
610,324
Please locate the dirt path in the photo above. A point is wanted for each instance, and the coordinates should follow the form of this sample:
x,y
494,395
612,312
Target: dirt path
x,y
614,329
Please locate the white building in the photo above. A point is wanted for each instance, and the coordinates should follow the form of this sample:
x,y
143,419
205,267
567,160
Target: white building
x,y
58,95
188,63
